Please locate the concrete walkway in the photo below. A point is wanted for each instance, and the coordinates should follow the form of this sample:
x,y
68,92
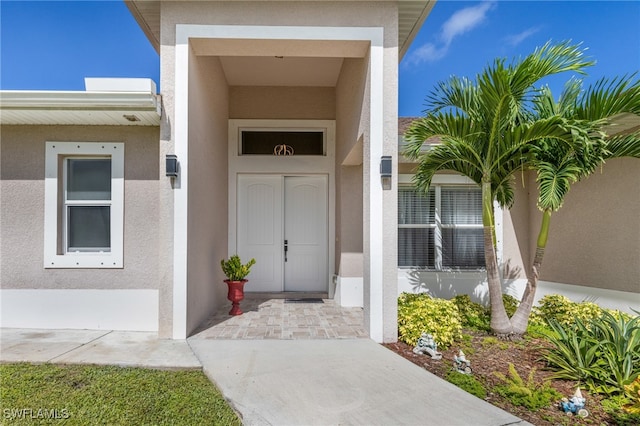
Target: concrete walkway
x,y
124,348
278,382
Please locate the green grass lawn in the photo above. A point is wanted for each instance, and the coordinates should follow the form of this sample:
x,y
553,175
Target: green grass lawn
x,y
88,395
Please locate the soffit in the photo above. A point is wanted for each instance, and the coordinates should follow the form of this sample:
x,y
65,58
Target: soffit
x,y
281,71
79,108
411,15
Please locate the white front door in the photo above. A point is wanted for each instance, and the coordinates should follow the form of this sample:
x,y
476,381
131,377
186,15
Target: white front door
x,y
283,224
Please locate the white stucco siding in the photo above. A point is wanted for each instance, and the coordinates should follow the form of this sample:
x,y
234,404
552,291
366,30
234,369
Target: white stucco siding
x,y
131,310
447,285
22,209
207,203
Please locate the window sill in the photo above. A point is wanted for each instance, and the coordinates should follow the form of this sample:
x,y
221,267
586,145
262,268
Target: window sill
x,y
84,261
453,270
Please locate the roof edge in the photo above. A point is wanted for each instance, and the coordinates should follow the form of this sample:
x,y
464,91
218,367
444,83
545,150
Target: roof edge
x,y
47,100
416,28
142,22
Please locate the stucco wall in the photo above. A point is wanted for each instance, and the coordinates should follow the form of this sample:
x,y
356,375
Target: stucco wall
x,y
349,130
166,190
22,204
207,219
321,13
594,239
516,229
384,108
317,103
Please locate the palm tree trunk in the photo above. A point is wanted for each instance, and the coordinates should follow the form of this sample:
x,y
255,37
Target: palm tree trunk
x,y
500,323
520,318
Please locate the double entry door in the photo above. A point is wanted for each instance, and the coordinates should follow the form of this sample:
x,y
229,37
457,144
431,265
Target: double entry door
x,y
283,224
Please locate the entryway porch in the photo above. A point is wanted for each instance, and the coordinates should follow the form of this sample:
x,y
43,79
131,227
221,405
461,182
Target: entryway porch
x,y
285,316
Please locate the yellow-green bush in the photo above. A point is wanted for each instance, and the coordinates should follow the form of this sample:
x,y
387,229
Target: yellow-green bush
x,y
472,314
563,310
421,313
632,391
510,304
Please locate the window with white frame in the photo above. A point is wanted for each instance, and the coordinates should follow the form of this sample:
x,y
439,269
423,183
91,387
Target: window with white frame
x,y
442,229
84,205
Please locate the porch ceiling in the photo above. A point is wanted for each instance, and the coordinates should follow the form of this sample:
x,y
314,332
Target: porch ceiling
x,y
281,71
248,62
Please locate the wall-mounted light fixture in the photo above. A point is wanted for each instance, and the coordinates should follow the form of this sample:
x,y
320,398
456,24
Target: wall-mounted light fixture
x,y
172,165
386,169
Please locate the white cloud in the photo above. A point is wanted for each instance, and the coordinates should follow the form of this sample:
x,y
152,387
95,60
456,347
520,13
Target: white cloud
x,y
516,39
462,21
427,53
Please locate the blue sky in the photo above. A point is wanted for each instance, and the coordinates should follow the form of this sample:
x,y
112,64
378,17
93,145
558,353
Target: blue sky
x,y
53,45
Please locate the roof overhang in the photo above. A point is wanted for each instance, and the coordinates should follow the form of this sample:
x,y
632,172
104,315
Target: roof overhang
x,y
91,108
411,16
623,123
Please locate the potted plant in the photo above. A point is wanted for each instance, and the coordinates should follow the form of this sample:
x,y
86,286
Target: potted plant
x,y
236,274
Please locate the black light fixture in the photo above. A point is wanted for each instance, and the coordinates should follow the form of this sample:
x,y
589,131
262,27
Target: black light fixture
x,y
172,165
386,170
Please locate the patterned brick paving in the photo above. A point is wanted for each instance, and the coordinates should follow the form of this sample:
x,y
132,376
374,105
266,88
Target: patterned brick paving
x,y
275,319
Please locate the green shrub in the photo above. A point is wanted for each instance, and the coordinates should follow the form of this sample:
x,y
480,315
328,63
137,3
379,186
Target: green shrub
x,y
564,311
527,394
473,314
510,304
467,383
233,268
605,353
535,330
614,406
421,313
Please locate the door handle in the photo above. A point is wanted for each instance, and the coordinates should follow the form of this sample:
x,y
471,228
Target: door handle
x,y
286,249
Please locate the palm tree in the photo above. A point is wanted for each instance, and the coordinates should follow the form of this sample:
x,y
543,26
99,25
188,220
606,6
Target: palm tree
x,y
558,165
487,128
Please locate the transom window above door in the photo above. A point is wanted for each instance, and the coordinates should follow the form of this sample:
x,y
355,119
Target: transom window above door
x,y
282,142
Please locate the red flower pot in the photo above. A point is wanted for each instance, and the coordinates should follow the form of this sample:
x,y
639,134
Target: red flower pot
x,y
235,295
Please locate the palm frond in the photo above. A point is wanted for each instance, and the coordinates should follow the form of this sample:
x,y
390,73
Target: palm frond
x,y
503,191
548,60
624,146
459,157
457,93
609,97
445,125
554,181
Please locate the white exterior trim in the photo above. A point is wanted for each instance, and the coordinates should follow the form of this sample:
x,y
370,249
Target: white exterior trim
x,y
26,99
186,31
132,310
375,36
52,210
106,102
376,217
443,179
287,166
180,191
349,292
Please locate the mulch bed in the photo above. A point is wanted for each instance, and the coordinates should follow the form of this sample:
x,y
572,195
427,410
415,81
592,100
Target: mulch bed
x,y
488,356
